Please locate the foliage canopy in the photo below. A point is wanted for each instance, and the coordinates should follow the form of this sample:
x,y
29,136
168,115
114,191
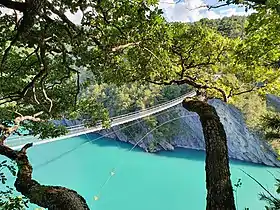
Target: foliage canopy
x,y
46,59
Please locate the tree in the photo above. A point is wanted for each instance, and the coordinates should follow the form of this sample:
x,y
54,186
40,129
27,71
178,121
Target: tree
x,y
43,54
186,55
218,67
232,27
218,184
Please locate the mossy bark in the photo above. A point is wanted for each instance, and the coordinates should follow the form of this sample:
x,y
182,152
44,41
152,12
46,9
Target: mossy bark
x,y
50,197
218,183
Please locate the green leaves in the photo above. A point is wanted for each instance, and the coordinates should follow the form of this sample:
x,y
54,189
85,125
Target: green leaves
x,y
50,69
271,125
8,201
201,57
10,167
44,129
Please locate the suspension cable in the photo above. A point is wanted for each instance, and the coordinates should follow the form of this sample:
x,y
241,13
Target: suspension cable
x,y
91,141
113,171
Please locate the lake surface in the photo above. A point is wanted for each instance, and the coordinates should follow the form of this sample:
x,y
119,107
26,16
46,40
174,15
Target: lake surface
x,y
142,181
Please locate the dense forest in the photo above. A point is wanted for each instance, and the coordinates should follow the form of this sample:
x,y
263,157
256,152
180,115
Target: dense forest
x,y
231,27
124,56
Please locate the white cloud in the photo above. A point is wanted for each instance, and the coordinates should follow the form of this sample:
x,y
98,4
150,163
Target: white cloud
x,y
186,11
194,10
183,11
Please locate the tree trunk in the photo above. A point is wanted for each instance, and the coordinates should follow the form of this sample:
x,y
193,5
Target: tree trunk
x,y
218,183
50,197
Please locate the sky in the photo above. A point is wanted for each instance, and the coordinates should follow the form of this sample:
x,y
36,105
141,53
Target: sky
x,y
188,10
193,10
181,11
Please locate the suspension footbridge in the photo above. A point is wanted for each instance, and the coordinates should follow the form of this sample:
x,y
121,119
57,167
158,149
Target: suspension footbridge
x,y
77,130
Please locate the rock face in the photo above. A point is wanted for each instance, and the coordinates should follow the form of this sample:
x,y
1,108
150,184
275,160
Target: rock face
x,y
242,144
273,102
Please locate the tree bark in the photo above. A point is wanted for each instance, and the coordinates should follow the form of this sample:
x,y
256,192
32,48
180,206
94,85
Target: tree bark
x,y
218,183
50,197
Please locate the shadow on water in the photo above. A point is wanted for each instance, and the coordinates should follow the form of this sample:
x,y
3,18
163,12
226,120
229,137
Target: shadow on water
x,y
195,155
101,141
183,153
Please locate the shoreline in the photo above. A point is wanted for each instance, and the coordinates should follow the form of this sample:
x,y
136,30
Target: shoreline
x,y
160,150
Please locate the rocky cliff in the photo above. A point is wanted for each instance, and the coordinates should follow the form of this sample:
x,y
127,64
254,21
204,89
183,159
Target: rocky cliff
x,y
273,102
186,131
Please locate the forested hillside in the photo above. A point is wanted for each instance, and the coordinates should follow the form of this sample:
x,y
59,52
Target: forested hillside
x,y
135,96
232,27
130,97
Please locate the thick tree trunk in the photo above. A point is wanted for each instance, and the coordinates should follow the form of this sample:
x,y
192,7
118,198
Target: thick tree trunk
x,y
218,183
50,197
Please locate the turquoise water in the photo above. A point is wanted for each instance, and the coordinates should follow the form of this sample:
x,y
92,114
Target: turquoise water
x,y
142,181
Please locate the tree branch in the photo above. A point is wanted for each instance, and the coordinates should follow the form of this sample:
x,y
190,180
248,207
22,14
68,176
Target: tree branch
x,y
218,6
104,16
78,89
25,147
7,131
8,152
242,92
9,98
231,94
34,95
193,84
120,47
50,197
24,61
32,8
29,85
61,15
20,134
8,49
258,183
19,6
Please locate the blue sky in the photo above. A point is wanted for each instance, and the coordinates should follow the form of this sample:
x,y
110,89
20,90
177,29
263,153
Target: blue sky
x,y
186,10
193,10
183,11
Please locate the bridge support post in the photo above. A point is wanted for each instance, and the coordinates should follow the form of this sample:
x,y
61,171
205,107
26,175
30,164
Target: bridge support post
x,y
218,183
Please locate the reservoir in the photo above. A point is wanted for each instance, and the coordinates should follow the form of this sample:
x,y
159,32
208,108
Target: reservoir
x,y
111,176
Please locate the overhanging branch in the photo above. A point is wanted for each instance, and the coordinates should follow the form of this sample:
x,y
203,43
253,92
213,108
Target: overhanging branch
x,y
19,6
61,15
50,197
9,130
193,84
218,6
120,47
255,88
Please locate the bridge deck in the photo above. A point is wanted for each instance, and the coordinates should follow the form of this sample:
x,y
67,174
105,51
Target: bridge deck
x,y
17,142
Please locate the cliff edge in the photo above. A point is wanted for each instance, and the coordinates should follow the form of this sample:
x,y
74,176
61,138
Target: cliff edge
x,y
186,132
